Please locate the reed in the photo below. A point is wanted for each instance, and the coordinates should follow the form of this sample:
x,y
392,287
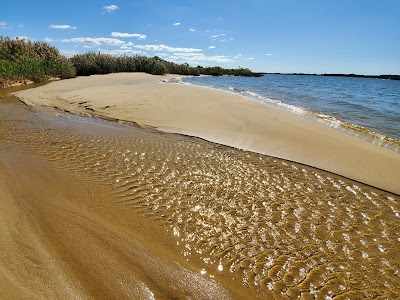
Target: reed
x,y
99,63
23,60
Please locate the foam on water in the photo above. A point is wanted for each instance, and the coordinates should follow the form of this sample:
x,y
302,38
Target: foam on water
x,y
247,89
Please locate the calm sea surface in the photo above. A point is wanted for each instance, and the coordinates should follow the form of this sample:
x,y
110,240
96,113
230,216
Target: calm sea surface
x,y
366,107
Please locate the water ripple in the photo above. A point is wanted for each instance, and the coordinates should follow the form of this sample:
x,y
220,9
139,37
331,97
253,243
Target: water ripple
x,y
276,228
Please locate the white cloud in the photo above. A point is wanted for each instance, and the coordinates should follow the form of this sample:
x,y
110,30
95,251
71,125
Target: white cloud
x,y
164,48
192,30
249,58
110,8
121,52
48,40
126,35
23,37
177,24
223,40
92,42
62,27
68,53
3,24
217,35
231,39
238,56
197,57
211,47
268,54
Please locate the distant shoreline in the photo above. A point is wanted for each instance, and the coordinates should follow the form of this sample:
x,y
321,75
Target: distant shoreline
x,y
389,77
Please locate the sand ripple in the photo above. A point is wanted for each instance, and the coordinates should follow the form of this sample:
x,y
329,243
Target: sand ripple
x,y
273,228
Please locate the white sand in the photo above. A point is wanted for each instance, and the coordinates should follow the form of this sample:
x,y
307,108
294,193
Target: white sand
x,y
223,118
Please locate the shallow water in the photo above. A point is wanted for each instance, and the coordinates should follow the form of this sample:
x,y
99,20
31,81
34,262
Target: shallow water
x,y
263,226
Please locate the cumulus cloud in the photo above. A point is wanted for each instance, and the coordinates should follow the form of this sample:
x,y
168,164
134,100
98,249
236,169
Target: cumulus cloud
x,y
177,24
68,53
217,35
127,35
110,8
3,24
48,40
192,30
23,37
92,42
198,57
165,48
62,26
249,58
268,54
121,52
238,56
211,47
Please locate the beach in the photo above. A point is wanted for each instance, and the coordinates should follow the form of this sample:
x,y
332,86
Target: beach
x,y
177,191
222,118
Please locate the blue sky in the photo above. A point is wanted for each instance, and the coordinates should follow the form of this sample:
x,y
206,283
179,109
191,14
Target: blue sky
x,y
310,36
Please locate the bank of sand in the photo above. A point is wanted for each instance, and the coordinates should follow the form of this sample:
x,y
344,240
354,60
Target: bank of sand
x,y
223,118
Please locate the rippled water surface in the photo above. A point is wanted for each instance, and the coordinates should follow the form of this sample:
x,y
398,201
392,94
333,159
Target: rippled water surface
x,y
273,228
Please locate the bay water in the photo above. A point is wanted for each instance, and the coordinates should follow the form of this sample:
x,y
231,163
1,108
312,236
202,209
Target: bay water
x,y
366,107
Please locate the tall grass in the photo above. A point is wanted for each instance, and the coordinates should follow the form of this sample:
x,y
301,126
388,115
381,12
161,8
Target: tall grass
x,y
22,60
99,63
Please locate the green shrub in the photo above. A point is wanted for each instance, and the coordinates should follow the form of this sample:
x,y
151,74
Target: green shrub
x,y
22,60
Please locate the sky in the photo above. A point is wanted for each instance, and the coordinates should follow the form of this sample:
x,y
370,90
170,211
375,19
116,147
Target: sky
x,y
285,36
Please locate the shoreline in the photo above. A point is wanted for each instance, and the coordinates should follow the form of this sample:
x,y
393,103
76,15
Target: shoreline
x,y
223,118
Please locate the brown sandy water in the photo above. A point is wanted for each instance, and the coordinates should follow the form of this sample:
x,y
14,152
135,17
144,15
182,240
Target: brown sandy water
x,y
121,211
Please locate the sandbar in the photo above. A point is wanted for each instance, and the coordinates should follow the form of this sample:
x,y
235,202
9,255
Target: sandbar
x,y
223,118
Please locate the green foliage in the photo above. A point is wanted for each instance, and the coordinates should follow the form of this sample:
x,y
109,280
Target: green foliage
x,y
22,60
218,71
98,63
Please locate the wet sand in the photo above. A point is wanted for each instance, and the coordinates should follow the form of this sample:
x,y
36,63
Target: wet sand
x,y
223,118
97,210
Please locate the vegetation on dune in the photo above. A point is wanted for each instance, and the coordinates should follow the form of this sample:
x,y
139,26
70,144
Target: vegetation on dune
x,y
99,63
23,60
